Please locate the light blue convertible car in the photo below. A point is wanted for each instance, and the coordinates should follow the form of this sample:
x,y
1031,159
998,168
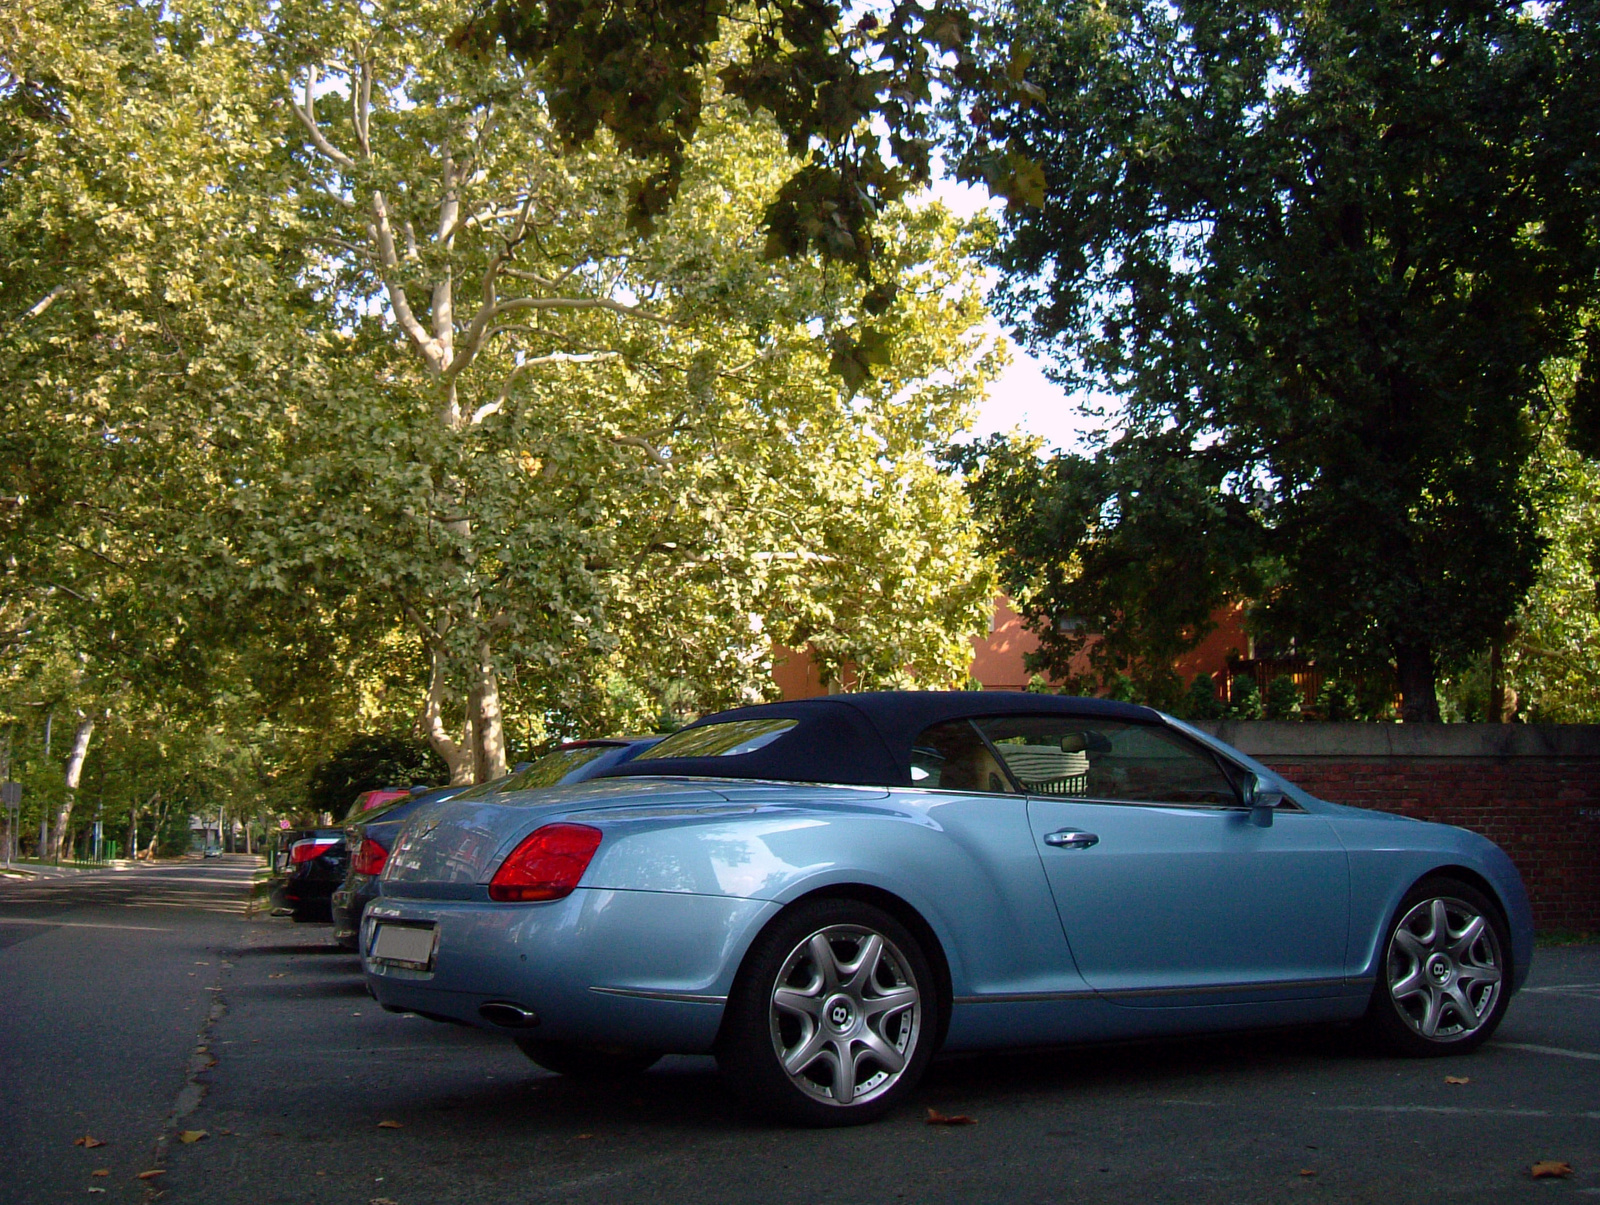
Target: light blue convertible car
x,y
826,892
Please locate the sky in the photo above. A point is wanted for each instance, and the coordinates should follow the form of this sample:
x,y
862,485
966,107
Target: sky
x,y
1023,397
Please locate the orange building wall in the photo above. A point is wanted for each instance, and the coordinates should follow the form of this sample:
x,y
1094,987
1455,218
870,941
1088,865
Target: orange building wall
x,y
1210,656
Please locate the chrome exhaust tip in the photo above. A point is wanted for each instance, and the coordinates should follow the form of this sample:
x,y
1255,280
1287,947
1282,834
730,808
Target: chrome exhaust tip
x,y
507,1015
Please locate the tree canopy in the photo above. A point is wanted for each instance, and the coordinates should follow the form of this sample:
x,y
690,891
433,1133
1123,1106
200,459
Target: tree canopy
x,y
1321,254
344,393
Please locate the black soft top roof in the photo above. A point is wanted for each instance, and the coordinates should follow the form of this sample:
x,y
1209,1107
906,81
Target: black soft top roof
x,y
861,739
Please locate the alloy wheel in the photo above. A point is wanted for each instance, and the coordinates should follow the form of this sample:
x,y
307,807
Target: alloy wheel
x,y
1445,969
845,1015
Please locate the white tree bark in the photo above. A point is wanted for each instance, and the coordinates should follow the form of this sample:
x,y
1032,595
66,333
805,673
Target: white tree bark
x,y
74,773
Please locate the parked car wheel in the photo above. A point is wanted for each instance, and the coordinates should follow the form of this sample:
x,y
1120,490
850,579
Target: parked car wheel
x,y
1445,978
833,1018
589,1062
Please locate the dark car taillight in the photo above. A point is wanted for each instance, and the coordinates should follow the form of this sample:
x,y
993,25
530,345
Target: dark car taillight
x,y
370,857
547,865
311,847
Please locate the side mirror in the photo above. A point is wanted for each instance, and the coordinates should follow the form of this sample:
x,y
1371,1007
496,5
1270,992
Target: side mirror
x,y
1264,799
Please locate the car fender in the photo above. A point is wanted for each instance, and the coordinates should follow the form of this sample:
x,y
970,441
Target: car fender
x,y
1391,854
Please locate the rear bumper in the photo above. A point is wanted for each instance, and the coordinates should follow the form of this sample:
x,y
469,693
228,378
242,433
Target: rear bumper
x,y
635,968
349,905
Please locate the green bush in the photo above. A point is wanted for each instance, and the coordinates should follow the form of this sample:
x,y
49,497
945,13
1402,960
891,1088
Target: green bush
x,y
1337,700
1246,702
1201,702
1283,699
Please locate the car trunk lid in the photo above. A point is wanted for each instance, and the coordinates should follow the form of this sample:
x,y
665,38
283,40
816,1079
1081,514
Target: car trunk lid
x,y
462,841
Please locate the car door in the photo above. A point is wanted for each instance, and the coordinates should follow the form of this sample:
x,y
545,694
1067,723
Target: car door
x,y
1168,892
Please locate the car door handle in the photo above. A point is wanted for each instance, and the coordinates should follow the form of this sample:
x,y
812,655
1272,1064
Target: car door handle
x,y
1071,839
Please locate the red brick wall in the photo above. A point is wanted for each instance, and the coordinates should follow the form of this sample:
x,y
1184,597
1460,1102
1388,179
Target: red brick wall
x,y
1544,812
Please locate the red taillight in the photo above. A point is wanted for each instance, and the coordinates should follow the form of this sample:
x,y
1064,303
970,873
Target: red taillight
x,y
304,851
547,865
370,857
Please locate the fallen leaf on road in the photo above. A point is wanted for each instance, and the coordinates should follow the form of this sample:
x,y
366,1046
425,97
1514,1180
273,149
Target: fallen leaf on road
x,y
92,1188
152,1174
1550,1168
388,1125
1308,1171
1457,1079
383,1201
936,1118
101,1171
277,975
585,1135
192,1136
87,1143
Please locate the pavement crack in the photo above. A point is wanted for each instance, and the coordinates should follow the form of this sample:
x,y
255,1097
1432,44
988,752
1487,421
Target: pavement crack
x,y
201,1060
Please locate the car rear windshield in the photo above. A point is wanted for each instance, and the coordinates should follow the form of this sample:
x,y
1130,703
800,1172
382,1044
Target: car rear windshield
x,y
548,771
727,739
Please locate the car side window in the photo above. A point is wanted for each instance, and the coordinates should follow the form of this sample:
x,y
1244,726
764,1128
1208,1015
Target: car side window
x,y
1108,759
953,757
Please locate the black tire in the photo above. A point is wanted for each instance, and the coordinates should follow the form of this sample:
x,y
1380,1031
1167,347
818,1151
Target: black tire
x,y
589,1062
1455,987
891,1007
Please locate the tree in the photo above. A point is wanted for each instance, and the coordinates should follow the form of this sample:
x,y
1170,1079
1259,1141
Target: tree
x,y
370,762
1322,253
256,509
1551,650
853,89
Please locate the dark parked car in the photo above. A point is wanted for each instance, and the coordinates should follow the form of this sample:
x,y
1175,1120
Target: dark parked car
x,y
372,834
311,862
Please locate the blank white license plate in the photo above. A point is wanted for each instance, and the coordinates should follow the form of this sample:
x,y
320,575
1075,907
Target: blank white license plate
x,y
411,945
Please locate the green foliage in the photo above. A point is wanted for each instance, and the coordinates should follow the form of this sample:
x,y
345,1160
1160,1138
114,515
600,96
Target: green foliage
x,y
1552,658
370,762
1038,685
328,407
1245,703
851,89
1200,702
1336,701
1283,699
1322,253
1089,536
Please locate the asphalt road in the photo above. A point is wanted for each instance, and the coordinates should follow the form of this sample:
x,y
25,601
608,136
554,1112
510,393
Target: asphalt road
x,y
120,990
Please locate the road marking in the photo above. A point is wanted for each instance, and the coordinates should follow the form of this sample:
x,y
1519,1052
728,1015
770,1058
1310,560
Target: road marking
x,y
80,924
1533,1048
1444,1110
1578,991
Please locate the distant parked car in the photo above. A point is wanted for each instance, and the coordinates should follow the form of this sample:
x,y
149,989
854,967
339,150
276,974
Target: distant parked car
x,y
824,892
311,862
372,834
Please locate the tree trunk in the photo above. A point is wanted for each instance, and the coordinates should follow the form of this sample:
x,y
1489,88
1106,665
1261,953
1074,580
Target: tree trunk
x,y
489,736
80,750
1419,698
155,832
1496,713
458,755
